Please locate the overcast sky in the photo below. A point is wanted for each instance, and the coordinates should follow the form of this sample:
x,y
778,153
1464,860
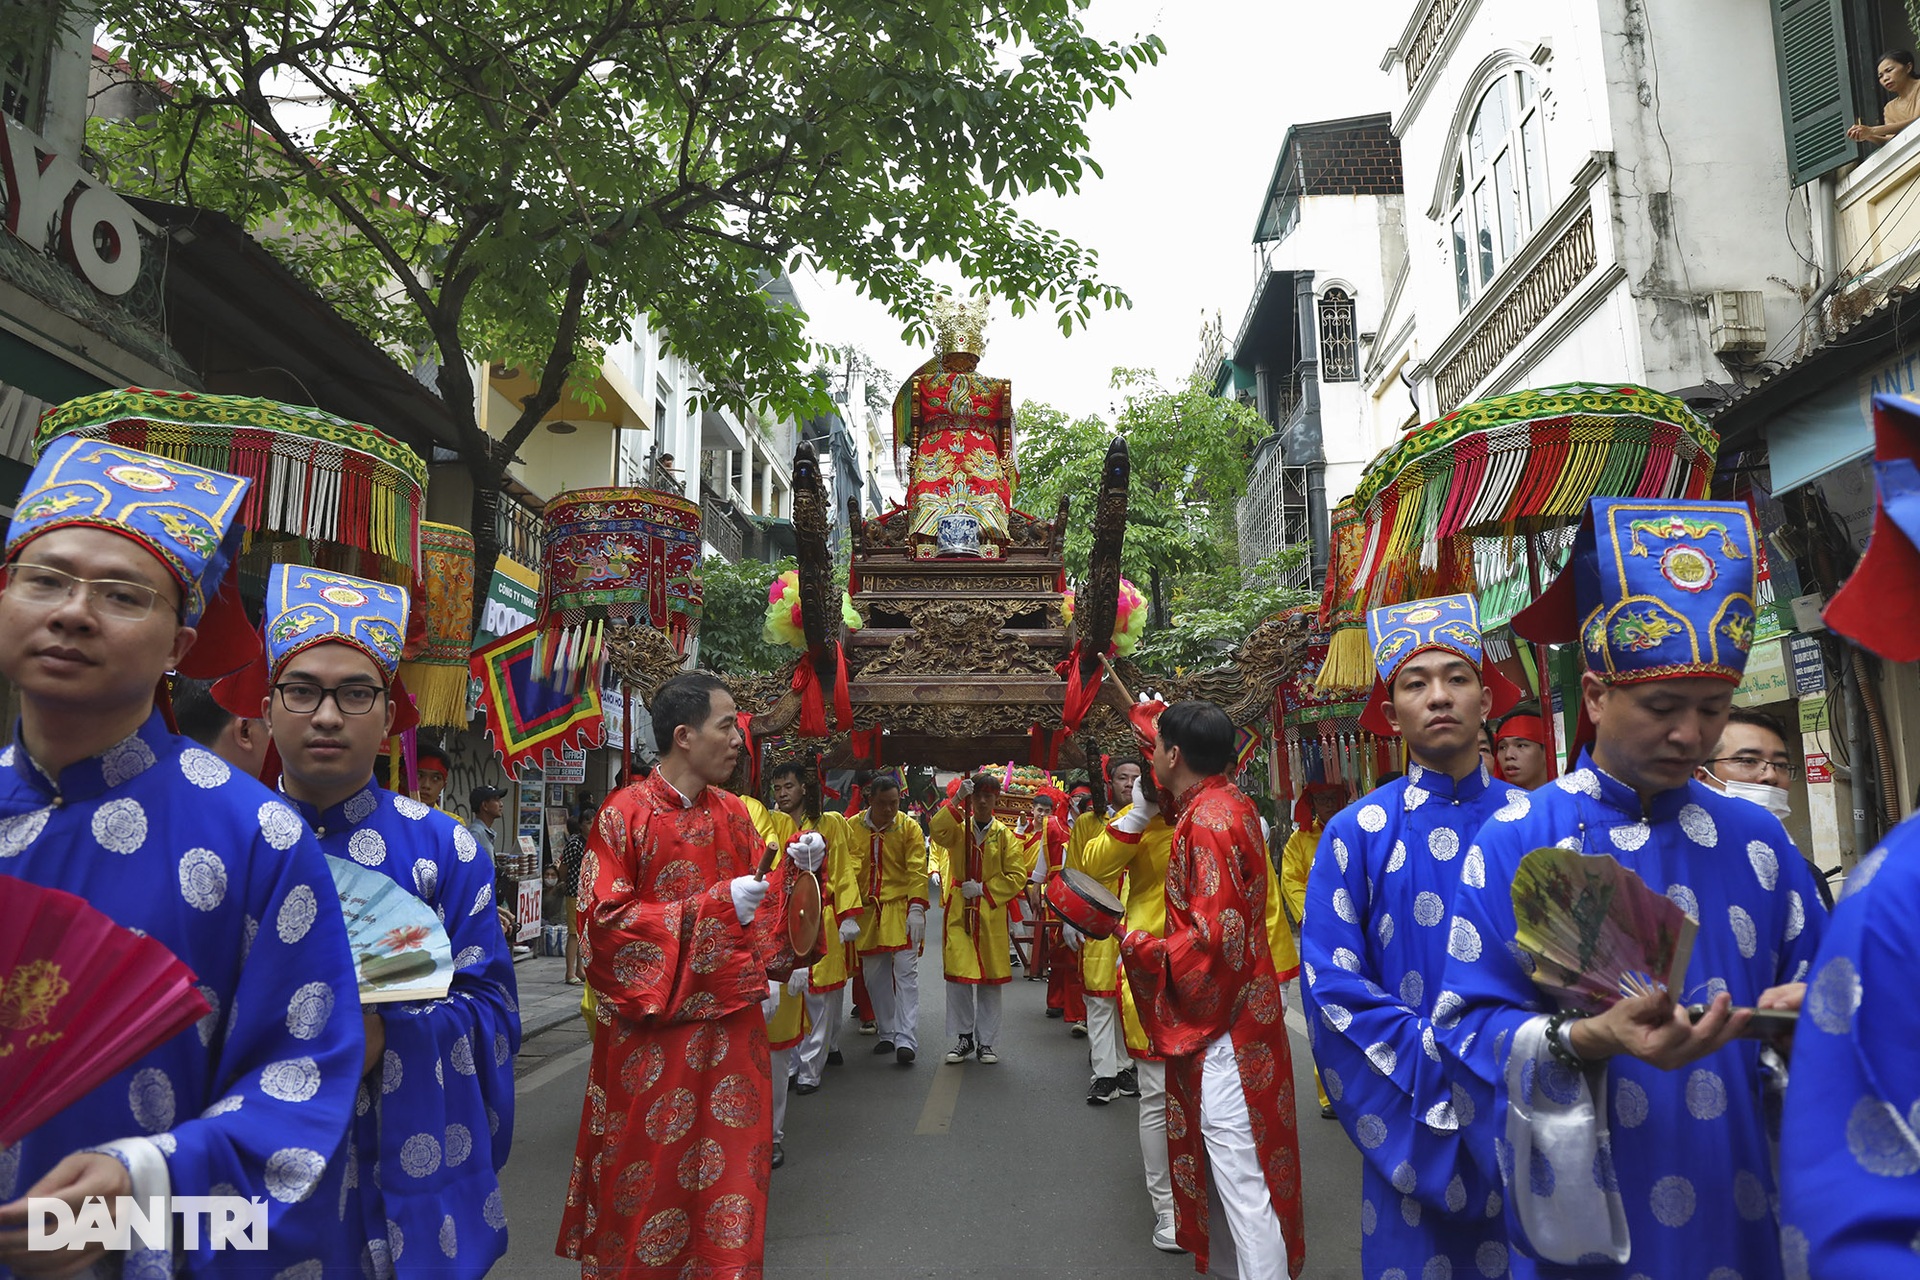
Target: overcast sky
x,y
1187,160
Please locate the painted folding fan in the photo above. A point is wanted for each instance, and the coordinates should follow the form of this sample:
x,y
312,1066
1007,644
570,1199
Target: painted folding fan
x,y
400,948
80,998
1595,931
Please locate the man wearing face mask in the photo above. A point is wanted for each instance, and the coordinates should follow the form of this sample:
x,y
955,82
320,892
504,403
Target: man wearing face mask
x,y
1751,761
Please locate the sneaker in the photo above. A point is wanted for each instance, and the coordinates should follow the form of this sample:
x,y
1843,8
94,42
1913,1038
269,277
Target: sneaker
x,y
884,1046
1104,1087
779,1155
835,1060
1163,1238
987,1054
1078,1030
904,1055
1326,1112
961,1051
869,1029
1129,1083
1056,1013
804,1088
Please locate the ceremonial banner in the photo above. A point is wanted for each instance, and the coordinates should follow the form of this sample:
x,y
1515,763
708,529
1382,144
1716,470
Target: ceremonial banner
x,y
526,716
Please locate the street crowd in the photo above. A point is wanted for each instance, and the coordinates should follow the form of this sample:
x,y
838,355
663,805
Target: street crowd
x,y
1664,1134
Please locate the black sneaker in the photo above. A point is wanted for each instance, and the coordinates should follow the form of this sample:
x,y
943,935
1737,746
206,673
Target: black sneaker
x,y
1129,1083
904,1055
779,1155
803,1089
1056,1013
961,1051
987,1055
1104,1087
835,1060
884,1046
868,1028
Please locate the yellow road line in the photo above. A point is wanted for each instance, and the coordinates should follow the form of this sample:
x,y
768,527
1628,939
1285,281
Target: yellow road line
x,y
936,1117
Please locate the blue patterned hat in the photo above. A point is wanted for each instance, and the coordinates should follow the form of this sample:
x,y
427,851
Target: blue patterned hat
x,y
1398,631
308,606
1654,590
185,516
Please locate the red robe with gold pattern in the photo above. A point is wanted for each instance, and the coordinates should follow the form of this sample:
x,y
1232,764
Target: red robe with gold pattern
x,y
675,1151
1213,973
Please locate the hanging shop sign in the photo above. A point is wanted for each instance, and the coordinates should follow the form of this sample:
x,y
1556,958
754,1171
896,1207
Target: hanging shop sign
x,y
51,199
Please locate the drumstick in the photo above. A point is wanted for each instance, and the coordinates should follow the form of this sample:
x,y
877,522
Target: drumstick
x,y
766,860
1114,676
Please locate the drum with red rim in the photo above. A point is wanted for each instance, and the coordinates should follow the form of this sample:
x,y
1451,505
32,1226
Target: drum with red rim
x,y
1085,903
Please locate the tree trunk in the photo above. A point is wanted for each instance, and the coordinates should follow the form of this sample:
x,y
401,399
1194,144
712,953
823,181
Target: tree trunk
x,y
1158,598
485,510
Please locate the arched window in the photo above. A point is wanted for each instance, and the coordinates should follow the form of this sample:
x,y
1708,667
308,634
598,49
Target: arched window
x,y
1499,191
1339,358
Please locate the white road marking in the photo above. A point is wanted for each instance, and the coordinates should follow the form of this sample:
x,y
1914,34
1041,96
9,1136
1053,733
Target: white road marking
x,y
936,1118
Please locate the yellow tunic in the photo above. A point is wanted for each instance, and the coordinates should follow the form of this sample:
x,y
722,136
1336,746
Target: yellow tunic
x,y
890,871
1296,862
788,1025
839,899
1100,957
975,950
1143,860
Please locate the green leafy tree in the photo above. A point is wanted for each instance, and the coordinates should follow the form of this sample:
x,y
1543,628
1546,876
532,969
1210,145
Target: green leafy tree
x,y
516,180
1188,450
732,613
1213,612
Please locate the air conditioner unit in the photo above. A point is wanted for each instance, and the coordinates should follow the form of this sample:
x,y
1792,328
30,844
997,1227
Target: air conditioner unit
x,y
1737,322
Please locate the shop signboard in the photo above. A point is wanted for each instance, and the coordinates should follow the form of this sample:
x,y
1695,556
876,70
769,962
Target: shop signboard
x,y
1819,768
1766,679
1809,668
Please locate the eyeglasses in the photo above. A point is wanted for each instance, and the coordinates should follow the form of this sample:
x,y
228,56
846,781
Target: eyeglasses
x,y
303,699
44,587
1754,764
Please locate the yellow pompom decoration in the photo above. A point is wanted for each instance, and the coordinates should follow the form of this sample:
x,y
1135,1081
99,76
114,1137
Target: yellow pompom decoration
x,y
783,625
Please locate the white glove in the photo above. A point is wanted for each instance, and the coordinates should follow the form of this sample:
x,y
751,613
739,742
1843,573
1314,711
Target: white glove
x,y
971,889
797,982
849,929
916,924
747,893
1136,819
933,883
966,789
808,852
1072,937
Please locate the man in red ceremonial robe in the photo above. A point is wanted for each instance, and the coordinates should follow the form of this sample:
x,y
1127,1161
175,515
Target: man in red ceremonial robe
x,y
1210,1001
675,1151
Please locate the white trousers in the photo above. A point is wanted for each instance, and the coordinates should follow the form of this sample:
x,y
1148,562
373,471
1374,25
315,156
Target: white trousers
x,y
823,1014
782,1058
1106,1037
1153,1134
893,985
973,1009
1260,1249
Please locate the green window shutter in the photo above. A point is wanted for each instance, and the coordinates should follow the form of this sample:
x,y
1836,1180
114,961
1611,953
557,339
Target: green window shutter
x,y
1816,91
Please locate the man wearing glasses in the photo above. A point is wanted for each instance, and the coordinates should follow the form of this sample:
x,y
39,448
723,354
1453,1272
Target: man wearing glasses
x,y
118,571
434,1118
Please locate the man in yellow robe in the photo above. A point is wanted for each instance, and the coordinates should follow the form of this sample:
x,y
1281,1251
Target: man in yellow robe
x,y
890,853
785,1010
796,795
1136,844
1100,984
985,866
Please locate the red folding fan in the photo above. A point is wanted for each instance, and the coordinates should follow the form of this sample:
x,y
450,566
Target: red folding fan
x,y
80,998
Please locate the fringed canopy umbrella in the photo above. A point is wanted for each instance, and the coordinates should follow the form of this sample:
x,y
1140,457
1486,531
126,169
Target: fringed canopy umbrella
x,y
349,495
1511,467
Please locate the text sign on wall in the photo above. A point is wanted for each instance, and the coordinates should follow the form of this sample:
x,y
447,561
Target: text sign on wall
x,y
50,197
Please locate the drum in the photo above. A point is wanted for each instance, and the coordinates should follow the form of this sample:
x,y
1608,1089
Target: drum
x,y
1084,903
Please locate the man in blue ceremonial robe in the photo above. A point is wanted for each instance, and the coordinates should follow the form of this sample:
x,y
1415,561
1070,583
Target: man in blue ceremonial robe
x,y
1631,1143
118,571
420,1186
1850,1145
1373,944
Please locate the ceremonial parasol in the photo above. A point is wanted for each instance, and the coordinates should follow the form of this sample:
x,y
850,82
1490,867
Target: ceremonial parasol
x,y
349,495
437,677
1517,465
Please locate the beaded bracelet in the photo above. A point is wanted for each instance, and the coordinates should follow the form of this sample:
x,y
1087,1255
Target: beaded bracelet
x,y
1559,1044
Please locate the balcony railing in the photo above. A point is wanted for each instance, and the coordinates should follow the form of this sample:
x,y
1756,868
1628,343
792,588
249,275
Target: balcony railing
x,y
520,531
1542,289
722,525
1427,37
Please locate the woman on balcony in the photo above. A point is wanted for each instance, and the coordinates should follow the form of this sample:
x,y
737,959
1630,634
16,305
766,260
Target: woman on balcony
x,y
1897,78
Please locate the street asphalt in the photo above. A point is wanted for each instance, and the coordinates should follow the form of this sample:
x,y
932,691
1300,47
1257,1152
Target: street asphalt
x,y
929,1171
